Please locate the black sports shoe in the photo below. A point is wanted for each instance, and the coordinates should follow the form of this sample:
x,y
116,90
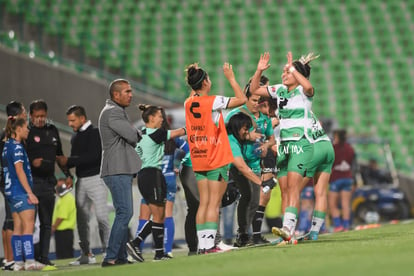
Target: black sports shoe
x,y
260,240
242,240
162,258
9,266
134,251
46,262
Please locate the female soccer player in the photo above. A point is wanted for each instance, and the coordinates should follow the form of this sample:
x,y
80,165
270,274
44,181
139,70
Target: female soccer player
x,y
18,191
209,147
294,98
320,170
151,181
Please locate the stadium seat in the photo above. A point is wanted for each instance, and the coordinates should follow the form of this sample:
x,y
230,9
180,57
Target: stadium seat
x,y
362,77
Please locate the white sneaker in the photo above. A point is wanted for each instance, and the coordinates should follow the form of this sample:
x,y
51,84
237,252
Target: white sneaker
x,y
33,265
84,259
224,247
18,266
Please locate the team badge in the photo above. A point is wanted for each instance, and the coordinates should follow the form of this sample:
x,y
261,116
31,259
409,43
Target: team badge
x,y
36,139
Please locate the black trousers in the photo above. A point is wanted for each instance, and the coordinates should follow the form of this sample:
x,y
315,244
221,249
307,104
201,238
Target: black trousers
x,y
64,243
192,197
44,190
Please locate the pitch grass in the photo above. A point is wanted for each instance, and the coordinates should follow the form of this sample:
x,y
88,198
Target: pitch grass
x,y
387,250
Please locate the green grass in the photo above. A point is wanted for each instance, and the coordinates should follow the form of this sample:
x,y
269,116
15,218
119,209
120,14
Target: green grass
x,y
387,250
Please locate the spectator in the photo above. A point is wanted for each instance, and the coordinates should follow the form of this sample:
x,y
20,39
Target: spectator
x,y
43,146
85,156
120,163
64,220
340,186
373,175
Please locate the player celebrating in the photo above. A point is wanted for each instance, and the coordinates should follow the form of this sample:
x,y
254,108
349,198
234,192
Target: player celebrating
x,y
293,96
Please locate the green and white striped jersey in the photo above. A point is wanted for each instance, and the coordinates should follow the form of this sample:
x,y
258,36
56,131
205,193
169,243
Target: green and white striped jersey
x,y
294,111
316,133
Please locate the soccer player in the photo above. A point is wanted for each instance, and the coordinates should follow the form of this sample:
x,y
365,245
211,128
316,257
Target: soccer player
x,y
296,150
17,110
209,147
19,194
320,170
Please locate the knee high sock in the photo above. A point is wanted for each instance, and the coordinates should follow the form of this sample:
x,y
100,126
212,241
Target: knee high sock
x,y
143,233
158,236
201,236
257,222
28,248
169,229
210,234
17,248
290,218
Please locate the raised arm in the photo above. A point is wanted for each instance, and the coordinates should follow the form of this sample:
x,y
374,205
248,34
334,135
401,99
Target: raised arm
x,y
304,82
239,97
262,65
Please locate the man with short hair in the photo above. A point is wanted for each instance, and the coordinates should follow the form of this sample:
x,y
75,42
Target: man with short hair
x,y
85,156
43,146
120,164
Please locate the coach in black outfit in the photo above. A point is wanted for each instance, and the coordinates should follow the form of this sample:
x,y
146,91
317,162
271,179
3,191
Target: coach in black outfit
x,y
43,145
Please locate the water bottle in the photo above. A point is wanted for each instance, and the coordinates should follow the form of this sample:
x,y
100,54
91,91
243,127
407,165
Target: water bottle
x,y
266,189
258,143
257,149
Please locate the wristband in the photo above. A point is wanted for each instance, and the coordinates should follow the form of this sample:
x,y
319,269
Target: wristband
x,y
292,69
185,131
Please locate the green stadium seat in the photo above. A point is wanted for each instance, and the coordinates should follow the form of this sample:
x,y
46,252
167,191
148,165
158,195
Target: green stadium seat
x,y
363,76
15,6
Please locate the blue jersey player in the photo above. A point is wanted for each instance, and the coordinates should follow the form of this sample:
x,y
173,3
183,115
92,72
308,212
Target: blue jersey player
x,y
19,195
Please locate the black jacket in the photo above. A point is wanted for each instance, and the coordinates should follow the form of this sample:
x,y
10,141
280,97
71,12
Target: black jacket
x,y
86,152
43,143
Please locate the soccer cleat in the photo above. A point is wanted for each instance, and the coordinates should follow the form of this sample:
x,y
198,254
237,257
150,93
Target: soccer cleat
x,y
134,251
260,240
283,232
277,241
311,236
33,265
338,229
214,249
224,247
162,258
84,259
8,266
169,255
18,266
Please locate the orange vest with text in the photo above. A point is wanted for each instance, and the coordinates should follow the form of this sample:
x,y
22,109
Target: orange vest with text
x,y
209,143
